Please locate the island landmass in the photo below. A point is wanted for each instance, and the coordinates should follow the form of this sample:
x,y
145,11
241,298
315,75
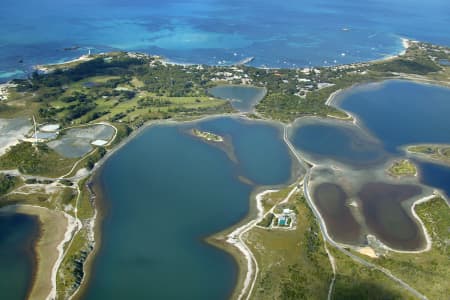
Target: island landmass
x,y
126,91
208,136
404,167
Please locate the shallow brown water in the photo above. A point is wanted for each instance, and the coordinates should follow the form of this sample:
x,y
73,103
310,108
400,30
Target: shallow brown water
x,y
330,199
387,218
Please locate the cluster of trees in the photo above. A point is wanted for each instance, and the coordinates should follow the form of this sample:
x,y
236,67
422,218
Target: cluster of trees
x,y
287,107
7,183
90,163
171,81
78,110
420,66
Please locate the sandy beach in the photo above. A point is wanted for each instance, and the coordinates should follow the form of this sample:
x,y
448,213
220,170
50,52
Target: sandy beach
x,y
56,229
4,90
50,67
235,239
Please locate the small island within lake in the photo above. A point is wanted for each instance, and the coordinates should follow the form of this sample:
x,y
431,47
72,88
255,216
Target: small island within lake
x,y
404,167
208,136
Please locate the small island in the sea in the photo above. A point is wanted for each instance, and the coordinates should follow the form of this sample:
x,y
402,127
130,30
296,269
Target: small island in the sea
x,y
208,136
403,167
439,153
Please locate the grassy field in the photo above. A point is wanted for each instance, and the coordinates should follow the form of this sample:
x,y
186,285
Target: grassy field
x,y
71,270
85,207
402,168
293,264
55,198
355,281
271,199
115,87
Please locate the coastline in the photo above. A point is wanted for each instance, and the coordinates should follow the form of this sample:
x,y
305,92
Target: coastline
x,y
100,212
235,232
50,67
101,204
355,120
229,240
55,229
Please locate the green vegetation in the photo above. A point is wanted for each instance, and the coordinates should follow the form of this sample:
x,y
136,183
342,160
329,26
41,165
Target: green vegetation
x,y
296,93
428,272
434,152
8,183
95,157
286,107
267,221
66,182
35,160
123,131
293,264
421,65
355,281
135,88
85,205
117,87
56,199
402,168
72,270
209,136
271,199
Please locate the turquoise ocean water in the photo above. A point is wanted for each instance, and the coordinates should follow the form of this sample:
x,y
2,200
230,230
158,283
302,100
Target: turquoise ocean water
x,y
278,34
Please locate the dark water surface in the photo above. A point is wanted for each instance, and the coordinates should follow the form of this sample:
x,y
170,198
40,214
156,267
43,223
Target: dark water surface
x,y
330,199
243,98
395,113
387,218
166,191
401,112
346,144
17,235
435,175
